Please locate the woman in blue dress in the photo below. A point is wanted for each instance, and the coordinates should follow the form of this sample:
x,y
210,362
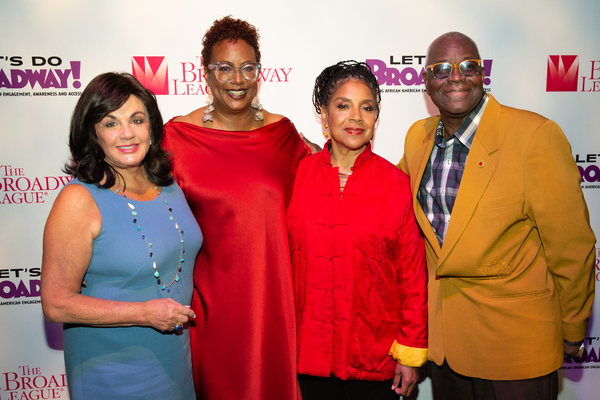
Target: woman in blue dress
x,y
119,249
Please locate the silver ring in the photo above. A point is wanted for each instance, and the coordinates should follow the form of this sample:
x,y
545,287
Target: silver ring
x,y
178,327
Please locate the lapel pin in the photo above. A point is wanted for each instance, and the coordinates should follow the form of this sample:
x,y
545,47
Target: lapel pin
x,y
480,164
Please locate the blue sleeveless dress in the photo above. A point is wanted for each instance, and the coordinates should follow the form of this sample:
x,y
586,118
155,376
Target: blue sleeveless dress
x,y
135,362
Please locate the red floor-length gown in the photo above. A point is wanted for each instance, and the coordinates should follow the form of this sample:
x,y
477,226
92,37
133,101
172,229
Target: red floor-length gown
x,y
237,185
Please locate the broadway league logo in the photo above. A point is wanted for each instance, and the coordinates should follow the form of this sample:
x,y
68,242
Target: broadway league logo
x,y
152,72
30,383
563,72
187,79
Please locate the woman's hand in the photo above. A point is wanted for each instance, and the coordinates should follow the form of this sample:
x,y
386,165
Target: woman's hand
x,y
408,376
167,314
314,148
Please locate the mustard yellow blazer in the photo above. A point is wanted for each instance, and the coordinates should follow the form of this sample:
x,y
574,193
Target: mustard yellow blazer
x,y
515,275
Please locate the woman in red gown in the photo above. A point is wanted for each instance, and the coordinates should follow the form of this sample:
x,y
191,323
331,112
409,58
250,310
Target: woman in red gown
x,y
236,164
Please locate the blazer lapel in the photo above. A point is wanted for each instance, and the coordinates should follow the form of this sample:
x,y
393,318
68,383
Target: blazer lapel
x,y
418,164
479,169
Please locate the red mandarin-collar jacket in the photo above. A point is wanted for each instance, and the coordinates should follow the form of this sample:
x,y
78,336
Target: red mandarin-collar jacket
x,y
358,265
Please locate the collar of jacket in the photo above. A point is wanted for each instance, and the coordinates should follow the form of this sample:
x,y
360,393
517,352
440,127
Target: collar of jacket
x,y
362,158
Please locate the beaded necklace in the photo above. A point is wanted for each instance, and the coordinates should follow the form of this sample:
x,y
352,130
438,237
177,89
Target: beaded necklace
x,y
159,281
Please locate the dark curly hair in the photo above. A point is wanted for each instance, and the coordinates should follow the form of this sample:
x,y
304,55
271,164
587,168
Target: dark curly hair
x,y
228,28
103,95
336,75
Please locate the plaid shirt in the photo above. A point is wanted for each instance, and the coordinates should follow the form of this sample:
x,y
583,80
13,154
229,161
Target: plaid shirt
x,y
444,170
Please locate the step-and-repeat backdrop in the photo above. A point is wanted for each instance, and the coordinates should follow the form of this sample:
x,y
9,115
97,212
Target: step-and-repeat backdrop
x,y
541,55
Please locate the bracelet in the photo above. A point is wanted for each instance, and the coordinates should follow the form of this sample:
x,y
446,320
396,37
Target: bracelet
x,y
574,344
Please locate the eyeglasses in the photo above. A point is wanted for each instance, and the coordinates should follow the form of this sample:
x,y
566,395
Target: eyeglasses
x,y
224,71
443,70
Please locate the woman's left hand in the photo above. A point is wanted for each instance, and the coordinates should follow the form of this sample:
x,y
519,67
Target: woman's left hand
x,y
408,376
166,314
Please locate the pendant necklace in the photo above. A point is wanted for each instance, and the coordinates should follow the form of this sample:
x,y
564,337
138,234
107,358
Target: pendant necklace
x,y
159,281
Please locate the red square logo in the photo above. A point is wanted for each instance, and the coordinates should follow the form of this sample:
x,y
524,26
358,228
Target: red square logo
x,y
152,72
562,75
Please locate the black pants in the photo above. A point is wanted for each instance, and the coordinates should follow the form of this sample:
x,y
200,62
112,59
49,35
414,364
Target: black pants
x,y
448,385
332,388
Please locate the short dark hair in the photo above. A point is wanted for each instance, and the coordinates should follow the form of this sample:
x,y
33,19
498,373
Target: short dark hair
x,y
229,28
336,75
103,95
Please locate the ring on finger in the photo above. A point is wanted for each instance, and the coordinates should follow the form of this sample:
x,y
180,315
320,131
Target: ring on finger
x,y
178,327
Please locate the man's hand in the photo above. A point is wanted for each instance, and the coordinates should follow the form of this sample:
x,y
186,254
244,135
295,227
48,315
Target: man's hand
x,y
574,351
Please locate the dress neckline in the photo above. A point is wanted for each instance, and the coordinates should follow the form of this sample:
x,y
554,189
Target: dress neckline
x,y
172,120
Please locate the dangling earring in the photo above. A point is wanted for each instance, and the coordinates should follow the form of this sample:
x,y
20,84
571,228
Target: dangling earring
x,y
326,133
150,142
208,117
257,106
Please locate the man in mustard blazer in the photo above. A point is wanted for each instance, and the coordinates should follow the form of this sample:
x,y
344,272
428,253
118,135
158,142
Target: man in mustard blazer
x,y
510,250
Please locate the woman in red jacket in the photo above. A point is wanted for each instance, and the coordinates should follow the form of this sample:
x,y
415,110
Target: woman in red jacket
x,y
358,259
